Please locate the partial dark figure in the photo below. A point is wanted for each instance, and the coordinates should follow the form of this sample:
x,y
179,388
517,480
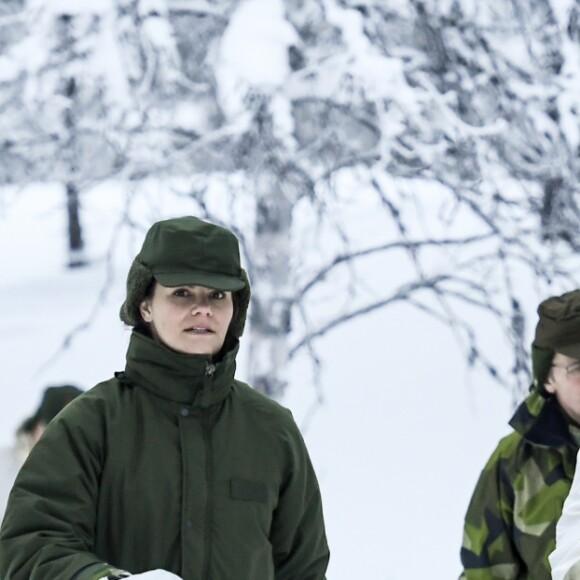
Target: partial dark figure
x,y
54,399
510,526
173,468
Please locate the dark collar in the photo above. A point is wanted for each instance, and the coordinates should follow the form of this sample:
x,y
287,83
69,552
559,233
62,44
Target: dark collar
x,y
191,379
548,427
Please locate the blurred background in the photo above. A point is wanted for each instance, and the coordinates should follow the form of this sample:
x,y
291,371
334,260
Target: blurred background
x,y
402,175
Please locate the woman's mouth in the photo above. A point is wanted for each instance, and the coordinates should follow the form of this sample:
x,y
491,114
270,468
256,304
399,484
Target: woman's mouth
x,y
199,330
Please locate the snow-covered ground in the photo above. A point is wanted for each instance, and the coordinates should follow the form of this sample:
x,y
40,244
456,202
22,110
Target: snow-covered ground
x,y
398,444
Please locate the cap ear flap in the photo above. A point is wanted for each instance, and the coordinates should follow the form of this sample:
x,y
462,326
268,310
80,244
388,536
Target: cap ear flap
x,y
242,302
541,365
139,282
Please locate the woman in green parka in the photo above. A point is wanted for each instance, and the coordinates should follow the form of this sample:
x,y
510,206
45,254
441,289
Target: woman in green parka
x,y
173,468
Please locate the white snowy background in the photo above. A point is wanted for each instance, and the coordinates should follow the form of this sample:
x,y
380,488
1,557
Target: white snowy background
x,y
405,427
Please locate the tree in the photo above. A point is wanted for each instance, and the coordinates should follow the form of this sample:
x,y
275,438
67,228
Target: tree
x,y
454,123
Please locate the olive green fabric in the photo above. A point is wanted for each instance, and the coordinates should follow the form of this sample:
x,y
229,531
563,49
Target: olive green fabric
x,y
172,464
510,525
187,250
541,366
139,280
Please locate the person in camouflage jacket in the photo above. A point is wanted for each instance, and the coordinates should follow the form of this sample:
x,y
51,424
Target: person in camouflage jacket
x,y
510,525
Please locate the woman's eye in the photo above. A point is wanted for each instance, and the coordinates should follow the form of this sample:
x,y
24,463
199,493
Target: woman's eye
x,y
218,295
180,292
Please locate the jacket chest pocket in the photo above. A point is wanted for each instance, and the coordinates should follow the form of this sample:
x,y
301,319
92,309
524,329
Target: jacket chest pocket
x,y
252,503
247,490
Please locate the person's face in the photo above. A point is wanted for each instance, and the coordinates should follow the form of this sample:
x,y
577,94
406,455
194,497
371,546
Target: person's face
x,y
37,432
565,385
189,319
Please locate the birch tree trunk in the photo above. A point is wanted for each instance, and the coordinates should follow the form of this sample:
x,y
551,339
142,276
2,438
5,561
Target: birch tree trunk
x,y
271,284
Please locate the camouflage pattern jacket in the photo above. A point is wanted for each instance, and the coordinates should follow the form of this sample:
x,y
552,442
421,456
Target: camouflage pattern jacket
x,y
510,525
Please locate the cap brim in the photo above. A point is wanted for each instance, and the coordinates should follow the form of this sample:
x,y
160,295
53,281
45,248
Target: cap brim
x,y
206,279
571,350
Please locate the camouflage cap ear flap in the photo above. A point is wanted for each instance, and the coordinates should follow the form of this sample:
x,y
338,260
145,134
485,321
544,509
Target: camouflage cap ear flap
x,y
139,280
242,303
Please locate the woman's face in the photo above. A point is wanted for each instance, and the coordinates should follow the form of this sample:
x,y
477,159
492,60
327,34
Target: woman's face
x,y
189,319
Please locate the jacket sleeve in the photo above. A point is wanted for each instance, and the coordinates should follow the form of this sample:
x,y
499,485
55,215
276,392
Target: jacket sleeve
x,y
47,531
298,536
565,559
488,550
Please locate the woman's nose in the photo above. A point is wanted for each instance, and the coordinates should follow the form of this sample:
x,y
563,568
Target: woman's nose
x,y
201,305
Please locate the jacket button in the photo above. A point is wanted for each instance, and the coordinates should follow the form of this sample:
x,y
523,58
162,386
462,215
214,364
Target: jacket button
x,y
189,524
184,412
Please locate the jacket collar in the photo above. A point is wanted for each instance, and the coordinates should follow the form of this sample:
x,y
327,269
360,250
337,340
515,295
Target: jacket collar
x,y
541,421
190,379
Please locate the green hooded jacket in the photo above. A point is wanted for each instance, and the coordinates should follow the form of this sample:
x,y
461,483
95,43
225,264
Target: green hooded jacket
x,y
510,525
172,464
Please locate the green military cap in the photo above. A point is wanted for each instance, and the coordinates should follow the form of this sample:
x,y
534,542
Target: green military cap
x,y
558,330
190,251
54,399
559,324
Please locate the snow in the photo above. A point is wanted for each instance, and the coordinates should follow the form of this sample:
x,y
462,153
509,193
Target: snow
x,y
8,69
351,23
398,445
253,51
103,56
562,9
58,7
256,41
398,442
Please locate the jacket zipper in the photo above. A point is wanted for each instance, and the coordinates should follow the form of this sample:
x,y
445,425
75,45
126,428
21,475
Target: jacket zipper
x,y
209,370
